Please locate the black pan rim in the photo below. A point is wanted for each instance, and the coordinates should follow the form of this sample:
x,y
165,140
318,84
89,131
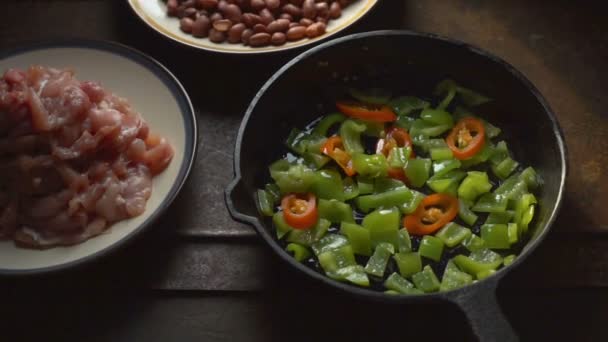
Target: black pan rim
x,y
488,283
186,110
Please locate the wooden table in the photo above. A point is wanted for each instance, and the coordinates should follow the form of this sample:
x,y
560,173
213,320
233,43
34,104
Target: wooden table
x,y
198,275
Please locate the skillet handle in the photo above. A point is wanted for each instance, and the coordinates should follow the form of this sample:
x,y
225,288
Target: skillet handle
x,y
484,314
235,195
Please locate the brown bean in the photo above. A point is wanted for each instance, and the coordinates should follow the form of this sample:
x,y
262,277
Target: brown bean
x,y
278,38
246,35
315,30
201,26
296,33
322,9
250,19
190,12
172,8
235,33
257,5
293,24
335,10
309,10
344,3
259,28
321,20
292,10
296,2
273,4
215,17
185,24
232,12
306,22
216,36
208,4
266,16
260,39
222,25
222,5
286,16
189,3
279,25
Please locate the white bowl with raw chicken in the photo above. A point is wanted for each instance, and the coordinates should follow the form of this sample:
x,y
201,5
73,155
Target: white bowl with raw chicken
x,y
96,140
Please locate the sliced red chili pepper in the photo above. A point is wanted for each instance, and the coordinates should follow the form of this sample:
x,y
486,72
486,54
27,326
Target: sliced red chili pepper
x,y
433,212
334,149
367,112
300,212
466,138
395,137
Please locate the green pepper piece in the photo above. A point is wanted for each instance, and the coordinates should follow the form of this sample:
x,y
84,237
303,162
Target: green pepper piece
x,y
530,177
487,151
399,156
503,218
470,97
354,274
400,285
335,259
264,202
474,243
296,141
453,278
391,292
383,225
431,247
404,243
437,117
376,265
328,185
377,96
422,127
315,159
465,213
280,225
408,263
512,188
373,165
484,274
442,153
491,203
508,260
309,236
501,151
405,122
365,184
478,261
440,168
475,184
417,171
329,242
411,205
513,232
504,168
391,198
297,178
358,237
405,105
426,280
308,146
350,132
496,236
351,189
447,87
524,211
300,252
427,144
453,234
446,183
335,211
326,122
382,185
372,129
274,193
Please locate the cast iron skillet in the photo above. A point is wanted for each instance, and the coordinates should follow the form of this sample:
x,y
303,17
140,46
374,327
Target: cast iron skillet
x,y
407,63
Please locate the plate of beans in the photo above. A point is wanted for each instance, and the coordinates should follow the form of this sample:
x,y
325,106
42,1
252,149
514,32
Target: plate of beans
x,y
249,26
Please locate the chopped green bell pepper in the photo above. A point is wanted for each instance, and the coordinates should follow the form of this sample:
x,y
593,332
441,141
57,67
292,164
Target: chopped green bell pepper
x,y
308,146
446,183
351,189
383,225
335,211
484,274
280,225
387,184
512,188
530,177
365,184
376,265
404,243
426,280
391,198
309,236
470,97
513,232
405,122
440,168
437,117
373,165
474,243
328,185
329,242
322,128
453,278
335,259
453,234
441,153
524,211
399,156
503,218
487,151
264,202
354,274
431,247
496,236
358,237
400,285
274,192
405,105
300,252
350,132
292,178
508,260
504,168
408,263
411,205
478,261
377,96
491,203
465,213
422,127
475,184
417,171
427,144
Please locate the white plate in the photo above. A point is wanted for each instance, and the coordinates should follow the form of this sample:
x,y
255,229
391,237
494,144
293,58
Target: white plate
x,y
164,104
154,13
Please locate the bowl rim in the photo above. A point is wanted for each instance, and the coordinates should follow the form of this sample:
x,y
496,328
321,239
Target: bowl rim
x,y
134,5
186,110
488,283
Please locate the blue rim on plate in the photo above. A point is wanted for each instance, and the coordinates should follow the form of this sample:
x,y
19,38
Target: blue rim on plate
x,y
190,128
